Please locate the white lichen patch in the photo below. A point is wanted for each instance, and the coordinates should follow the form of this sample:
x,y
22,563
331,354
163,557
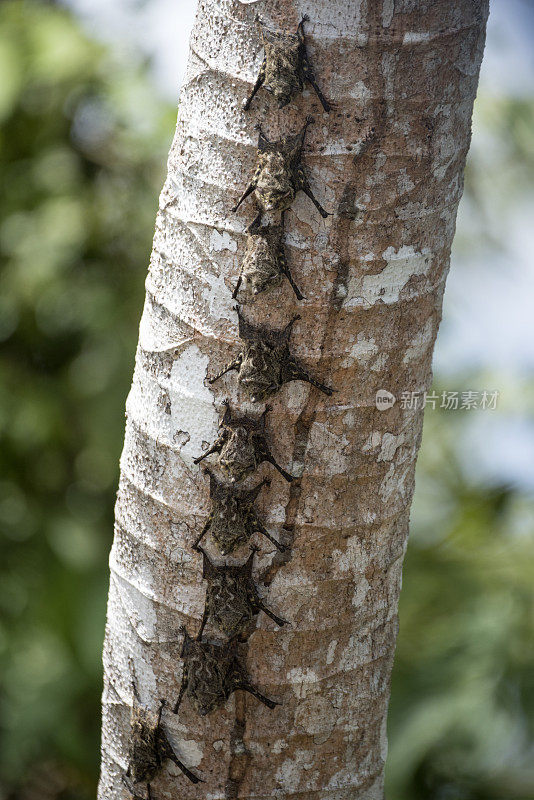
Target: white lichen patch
x,y
286,579
394,484
221,240
352,559
362,350
372,441
191,402
355,654
404,182
349,419
389,485
289,774
330,653
302,606
303,681
145,395
296,394
360,592
279,746
328,449
388,9
317,717
386,286
380,362
188,750
186,295
390,445
415,37
276,514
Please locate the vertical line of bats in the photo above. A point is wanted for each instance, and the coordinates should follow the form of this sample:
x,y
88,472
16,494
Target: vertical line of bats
x,y
212,667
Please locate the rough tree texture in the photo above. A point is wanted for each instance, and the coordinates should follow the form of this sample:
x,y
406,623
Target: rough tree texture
x,y
373,275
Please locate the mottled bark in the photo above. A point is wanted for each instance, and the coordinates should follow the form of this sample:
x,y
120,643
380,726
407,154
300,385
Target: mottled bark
x,y
388,160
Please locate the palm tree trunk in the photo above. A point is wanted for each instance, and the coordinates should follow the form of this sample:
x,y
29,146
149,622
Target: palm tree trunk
x,y
388,161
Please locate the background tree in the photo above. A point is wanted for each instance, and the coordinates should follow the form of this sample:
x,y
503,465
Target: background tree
x,y
389,160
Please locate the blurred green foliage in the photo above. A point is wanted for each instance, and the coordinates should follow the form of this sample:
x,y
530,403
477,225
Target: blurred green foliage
x,y
460,722
83,139
83,142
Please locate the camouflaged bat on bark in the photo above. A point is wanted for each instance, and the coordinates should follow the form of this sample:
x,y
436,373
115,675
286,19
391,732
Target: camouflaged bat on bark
x,y
285,67
212,671
242,446
266,363
232,599
264,263
279,174
233,519
149,748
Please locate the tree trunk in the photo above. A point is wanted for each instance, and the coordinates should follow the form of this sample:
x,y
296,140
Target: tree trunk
x,y
388,161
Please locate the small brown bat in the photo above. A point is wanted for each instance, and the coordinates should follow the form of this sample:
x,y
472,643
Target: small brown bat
x,y
233,519
242,446
212,671
232,600
279,174
264,263
265,362
149,748
285,67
